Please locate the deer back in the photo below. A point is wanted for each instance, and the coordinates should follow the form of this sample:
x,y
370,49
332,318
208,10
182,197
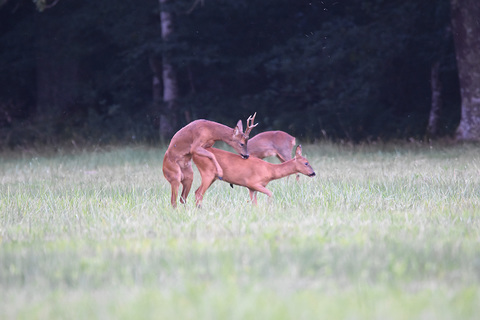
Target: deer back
x,y
272,143
235,169
203,133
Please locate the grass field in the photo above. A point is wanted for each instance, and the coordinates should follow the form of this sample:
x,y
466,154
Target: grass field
x,y
382,232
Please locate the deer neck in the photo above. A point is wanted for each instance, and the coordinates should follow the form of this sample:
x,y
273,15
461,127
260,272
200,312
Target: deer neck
x,y
221,132
283,169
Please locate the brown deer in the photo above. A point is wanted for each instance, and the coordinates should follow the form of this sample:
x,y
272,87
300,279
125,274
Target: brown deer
x,y
193,139
272,143
252,173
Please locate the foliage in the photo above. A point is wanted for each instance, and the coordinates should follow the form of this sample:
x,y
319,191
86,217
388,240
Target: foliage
x,y
337,69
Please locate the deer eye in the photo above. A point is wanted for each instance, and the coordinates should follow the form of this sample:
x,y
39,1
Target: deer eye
x,y
306,163
241,144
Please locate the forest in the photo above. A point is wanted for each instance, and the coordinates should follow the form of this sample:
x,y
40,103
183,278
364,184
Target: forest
x,y
99,72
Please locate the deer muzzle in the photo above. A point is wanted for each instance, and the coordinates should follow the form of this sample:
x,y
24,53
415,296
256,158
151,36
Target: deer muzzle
x,y
244,156
312,174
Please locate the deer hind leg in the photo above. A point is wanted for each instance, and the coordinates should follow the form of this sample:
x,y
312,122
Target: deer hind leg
x,y
285,152
283,157
187,180
199,151
208,178
199,197
171,171
201,191
175,184
173,199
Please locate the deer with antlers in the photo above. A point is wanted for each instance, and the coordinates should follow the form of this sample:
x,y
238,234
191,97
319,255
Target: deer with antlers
x,y
193,140
252,173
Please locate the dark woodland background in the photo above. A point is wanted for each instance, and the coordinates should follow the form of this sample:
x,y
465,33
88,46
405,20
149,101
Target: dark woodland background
x,y
90,72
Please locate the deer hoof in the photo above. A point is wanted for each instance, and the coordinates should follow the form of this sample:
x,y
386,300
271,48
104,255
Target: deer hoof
x,y
220,178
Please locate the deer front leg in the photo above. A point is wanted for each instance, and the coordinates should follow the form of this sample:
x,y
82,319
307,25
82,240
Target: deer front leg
x,y
259,188
204,153
253,196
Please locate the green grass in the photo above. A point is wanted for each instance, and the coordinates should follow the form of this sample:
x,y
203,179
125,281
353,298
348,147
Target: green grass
x,y
382,232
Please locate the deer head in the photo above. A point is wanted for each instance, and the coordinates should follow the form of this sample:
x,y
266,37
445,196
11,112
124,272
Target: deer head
x,y
250,125
302,163
240,138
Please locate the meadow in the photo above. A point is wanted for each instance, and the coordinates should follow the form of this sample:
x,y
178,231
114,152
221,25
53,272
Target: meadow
x,y
382,232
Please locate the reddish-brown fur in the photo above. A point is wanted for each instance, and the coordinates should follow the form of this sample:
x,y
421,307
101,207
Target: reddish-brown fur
x,y
272,143
193,139
252,173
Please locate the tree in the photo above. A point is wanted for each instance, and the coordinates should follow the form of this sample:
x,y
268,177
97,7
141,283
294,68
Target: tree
x,y
168,119
342,69
434,118
57,68
466,30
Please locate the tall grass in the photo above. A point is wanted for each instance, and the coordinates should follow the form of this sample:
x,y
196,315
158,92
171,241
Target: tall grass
x,y
388,232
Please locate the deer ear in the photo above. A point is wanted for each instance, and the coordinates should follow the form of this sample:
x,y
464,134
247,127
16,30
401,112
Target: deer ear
x,y
239,128
298,151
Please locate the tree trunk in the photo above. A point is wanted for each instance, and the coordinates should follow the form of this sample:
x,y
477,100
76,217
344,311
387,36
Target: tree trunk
x,y
168,118
466,33
434,118
157,89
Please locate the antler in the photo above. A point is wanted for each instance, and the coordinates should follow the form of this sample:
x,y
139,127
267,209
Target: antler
x,y
250,125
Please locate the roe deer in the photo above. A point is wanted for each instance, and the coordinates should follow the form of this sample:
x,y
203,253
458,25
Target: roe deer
x,y
252,173
192,140
272,143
